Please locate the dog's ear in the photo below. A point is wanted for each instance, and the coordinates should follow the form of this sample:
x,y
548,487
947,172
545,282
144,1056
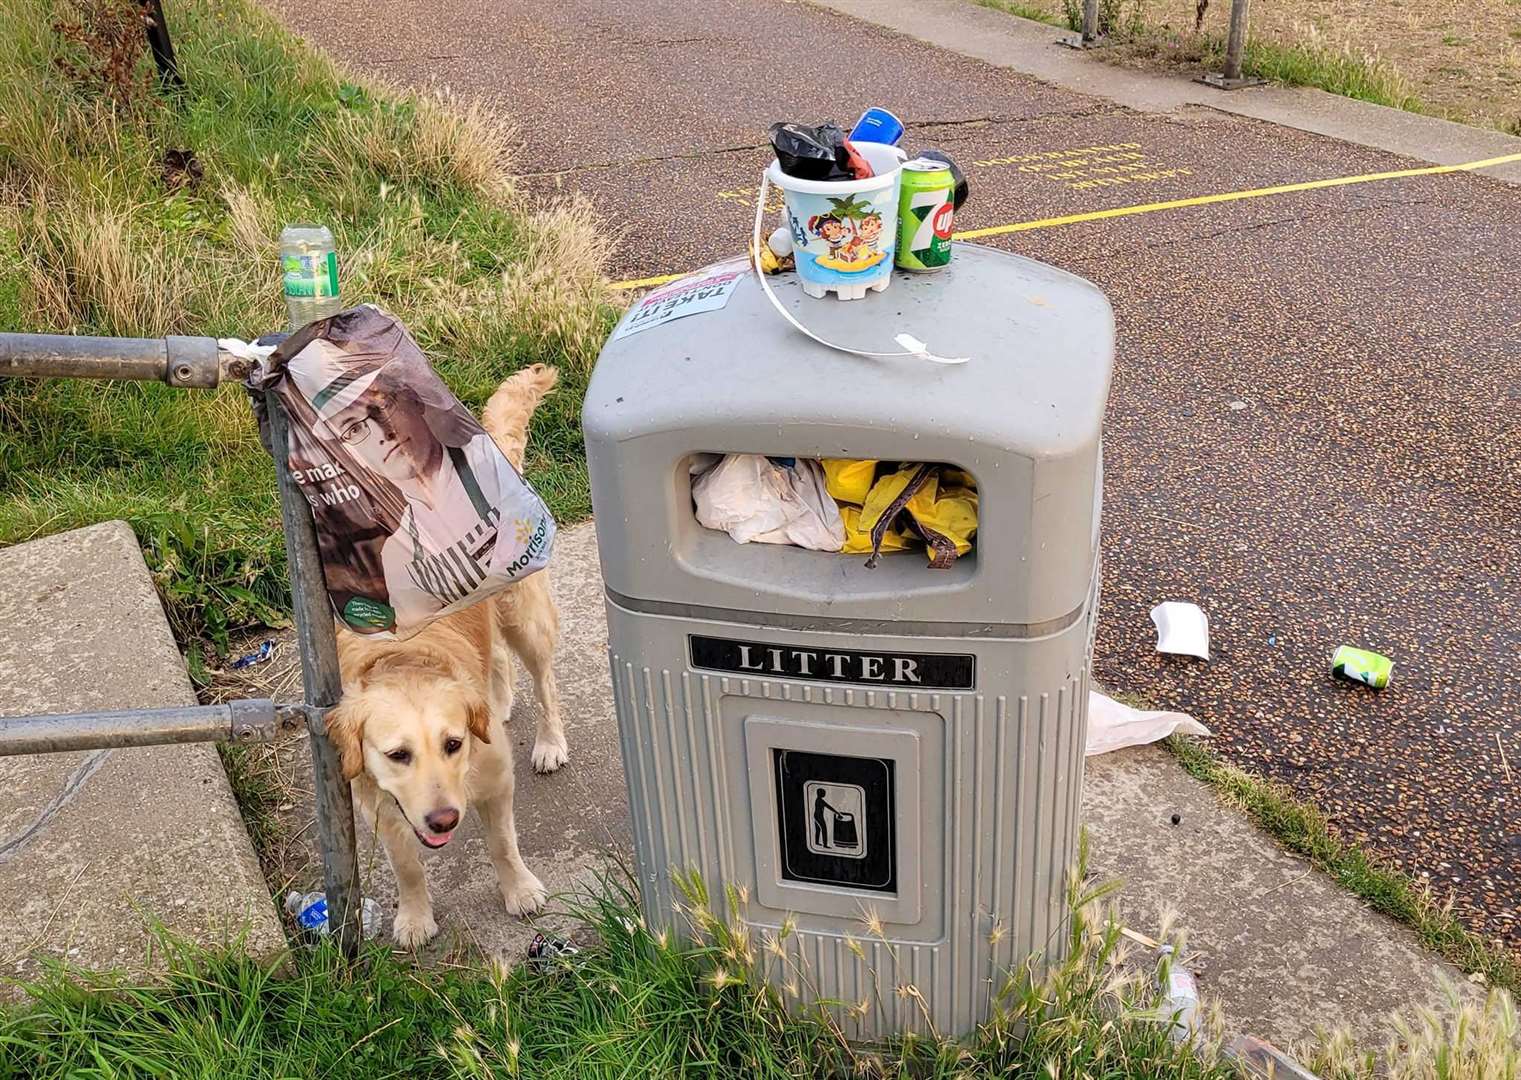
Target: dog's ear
x,y
344,724
478,719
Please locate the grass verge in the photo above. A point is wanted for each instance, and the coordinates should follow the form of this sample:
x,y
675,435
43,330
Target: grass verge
x,y
637,1003
106,227
1303,829
630,1004
1029,11
1304,62
1134,36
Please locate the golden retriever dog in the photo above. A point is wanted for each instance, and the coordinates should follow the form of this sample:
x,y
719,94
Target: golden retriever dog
x,y
421,726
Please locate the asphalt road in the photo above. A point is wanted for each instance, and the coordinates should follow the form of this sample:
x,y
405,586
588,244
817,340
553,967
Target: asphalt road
x,y
1312,427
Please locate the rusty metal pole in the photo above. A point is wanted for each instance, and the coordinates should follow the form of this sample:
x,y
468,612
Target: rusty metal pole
x,y
241,721
1235,42
1090,35
1235,53
188,362
319,671
1090,22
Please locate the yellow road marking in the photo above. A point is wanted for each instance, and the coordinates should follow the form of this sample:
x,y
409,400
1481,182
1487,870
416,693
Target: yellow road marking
x,y
1232,196
1173,204
646,282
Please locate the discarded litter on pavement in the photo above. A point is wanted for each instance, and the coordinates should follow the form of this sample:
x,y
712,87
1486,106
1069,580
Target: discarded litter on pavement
x,y
1182,628
310,912
258,656
1113,725
1362,665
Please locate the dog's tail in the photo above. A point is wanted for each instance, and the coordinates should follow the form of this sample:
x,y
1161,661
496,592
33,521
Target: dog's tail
x,y
507,413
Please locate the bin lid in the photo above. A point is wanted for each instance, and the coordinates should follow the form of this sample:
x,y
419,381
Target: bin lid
x,y
1039,343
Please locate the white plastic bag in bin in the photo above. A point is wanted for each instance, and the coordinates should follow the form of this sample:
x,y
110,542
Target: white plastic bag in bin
x,y
418,512
753,499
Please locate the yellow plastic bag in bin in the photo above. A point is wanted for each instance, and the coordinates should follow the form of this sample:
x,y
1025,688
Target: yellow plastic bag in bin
x,y
858,536
848,480
933,503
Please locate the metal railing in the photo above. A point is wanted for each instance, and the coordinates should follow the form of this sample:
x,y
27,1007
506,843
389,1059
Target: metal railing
x,y
197,363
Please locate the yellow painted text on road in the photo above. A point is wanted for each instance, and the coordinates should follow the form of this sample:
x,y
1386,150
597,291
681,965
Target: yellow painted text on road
x,y
1083,168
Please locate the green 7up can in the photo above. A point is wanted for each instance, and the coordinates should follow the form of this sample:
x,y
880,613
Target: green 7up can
x,y
1362,665
925,214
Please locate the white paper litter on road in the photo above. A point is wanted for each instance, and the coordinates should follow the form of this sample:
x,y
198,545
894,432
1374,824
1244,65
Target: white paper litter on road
x,y
1113,726
1182,628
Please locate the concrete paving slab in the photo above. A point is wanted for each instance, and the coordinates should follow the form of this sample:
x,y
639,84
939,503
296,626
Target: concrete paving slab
x,y
1283,947
93,845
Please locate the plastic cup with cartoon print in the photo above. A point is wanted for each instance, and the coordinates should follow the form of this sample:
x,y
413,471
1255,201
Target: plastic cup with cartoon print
x,y
844,232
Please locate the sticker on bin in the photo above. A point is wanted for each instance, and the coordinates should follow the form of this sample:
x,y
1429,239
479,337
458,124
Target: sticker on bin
x,y
835,819
706,290
922,671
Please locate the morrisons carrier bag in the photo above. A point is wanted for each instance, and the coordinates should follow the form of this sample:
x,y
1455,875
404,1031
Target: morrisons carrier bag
x,y
418,512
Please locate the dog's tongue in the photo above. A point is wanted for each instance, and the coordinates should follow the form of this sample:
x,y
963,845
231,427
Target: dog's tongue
x,y
436,839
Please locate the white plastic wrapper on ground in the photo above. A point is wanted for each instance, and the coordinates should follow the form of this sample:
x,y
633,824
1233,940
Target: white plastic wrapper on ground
x,y
754,500
1113,726
1182,628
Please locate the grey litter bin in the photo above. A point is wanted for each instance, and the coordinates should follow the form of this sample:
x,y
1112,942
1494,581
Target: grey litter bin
x,y
939,715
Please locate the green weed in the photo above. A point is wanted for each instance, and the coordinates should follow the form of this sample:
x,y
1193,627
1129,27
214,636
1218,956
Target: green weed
x,y
637,1002
1030,11
632,1003
1339,70
1303,829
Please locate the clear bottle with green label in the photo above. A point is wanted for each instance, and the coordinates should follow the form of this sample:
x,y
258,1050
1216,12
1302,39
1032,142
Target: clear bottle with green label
x,y
309,263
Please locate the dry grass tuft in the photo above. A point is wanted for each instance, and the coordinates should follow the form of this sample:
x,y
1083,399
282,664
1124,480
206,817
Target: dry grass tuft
x,y
431,139
472,143
1461,1040
87,265
253,225
555,294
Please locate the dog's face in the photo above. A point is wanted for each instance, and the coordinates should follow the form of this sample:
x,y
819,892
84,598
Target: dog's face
x,y
412,735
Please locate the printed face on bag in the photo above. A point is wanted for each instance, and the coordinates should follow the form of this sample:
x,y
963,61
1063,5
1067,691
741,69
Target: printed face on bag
x,y
388,434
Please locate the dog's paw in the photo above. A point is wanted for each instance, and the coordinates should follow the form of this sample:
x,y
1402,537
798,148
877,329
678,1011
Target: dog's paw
x,y
413,928
525,895
549,754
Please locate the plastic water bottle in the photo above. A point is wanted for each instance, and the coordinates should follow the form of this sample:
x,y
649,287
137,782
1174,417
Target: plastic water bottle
x,y
1180,998
309,265
310,911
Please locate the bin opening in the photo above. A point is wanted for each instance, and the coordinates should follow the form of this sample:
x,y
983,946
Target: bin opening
x,y
847,506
